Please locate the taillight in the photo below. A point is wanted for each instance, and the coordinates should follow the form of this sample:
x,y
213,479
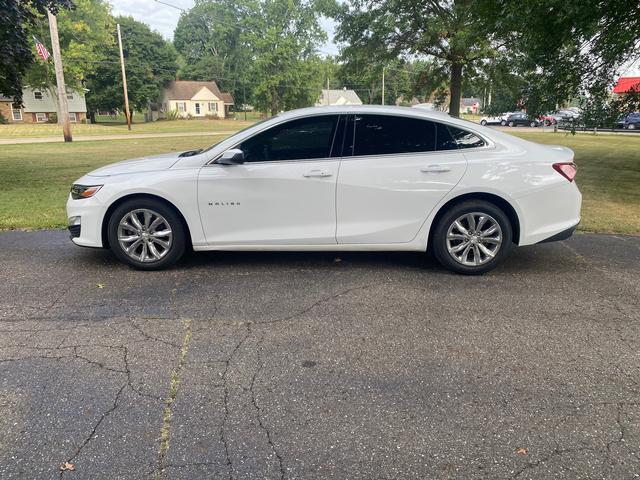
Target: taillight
x,y
567,170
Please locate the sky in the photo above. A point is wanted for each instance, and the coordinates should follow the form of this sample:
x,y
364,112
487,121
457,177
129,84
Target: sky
x,y
163,18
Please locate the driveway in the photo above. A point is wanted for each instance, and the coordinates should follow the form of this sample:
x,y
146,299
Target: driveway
x,y
303,366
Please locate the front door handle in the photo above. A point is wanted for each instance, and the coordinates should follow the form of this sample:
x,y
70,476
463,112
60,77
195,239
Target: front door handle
x,y
317,173
435,169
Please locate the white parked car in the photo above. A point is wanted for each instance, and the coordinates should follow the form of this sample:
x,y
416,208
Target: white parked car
x,y
497,120
335,178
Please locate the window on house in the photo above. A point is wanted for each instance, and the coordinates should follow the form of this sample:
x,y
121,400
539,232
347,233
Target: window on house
x,y
16,113
197,109
41,117
37,95
72,117
182,107
69,96
213,106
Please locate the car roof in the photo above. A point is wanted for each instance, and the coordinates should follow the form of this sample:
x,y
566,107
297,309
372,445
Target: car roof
x,y
376,109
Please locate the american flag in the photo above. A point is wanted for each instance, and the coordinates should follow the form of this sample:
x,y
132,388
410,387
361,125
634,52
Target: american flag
x,y
41,49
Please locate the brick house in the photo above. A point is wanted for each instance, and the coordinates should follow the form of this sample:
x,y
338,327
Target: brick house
x,y
40,104
196,99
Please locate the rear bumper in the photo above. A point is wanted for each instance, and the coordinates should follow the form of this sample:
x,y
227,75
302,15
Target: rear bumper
x,y
563,235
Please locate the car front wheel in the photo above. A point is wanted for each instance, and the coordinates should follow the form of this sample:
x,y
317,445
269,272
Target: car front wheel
x,y
146,234
533,124
511,124
632,126
483,122
472,237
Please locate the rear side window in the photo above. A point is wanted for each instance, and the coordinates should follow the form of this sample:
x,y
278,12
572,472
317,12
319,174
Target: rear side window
x,y
465,139
387,134
302,139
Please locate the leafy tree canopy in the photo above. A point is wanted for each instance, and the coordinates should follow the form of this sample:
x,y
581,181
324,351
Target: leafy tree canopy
x,y
16,46
150,62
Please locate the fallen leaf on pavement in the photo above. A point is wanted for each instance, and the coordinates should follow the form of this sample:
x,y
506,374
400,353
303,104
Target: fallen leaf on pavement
x,y
67,466
522,451
100,285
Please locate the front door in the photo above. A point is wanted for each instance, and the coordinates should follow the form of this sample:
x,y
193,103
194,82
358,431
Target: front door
x,y
284,193
400,169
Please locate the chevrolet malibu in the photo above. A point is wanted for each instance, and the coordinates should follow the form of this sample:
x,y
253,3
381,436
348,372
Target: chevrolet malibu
x,y
335,179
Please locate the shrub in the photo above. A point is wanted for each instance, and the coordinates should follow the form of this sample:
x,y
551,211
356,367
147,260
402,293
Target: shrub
x,y
212,116
172,115
3,120
53,118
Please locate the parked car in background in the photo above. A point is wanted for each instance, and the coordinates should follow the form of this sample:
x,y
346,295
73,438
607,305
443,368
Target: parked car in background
x,y
547,119
631,121
373,178
496,120
516,119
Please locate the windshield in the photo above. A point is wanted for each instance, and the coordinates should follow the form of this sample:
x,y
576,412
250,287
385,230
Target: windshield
x,y
239,131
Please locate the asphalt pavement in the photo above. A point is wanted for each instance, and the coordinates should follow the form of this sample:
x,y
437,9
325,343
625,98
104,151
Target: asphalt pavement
x,y
319,365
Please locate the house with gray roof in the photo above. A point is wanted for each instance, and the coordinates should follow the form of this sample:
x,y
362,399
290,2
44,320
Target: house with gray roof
x,y
40,104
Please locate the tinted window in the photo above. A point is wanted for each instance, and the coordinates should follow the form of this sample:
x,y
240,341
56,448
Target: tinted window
x,y
382,134
301,139
444,139
465,139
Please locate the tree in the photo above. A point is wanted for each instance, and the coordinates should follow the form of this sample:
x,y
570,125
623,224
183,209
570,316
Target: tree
x,y
16,46
150,61
564,49
286,71
450,32
209,37
84,32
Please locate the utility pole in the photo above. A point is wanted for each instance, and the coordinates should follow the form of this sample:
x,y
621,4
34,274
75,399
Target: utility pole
x,y
63,108
328,102
124,81
383,85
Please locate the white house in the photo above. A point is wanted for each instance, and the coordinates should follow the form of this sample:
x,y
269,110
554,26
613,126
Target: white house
x,y
196,99
40,103
338,97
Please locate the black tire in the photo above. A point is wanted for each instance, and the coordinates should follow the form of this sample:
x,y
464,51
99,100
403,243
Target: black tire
x,y
176,245
441,229
533,124
483,122
503,123
511,124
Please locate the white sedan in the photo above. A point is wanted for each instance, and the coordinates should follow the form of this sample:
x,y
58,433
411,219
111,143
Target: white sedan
x,y
335,178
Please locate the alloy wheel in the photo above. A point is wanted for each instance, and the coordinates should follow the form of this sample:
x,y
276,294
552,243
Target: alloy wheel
x,y
474,239
144,235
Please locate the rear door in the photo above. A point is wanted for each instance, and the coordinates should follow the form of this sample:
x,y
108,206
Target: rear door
x,y
395,169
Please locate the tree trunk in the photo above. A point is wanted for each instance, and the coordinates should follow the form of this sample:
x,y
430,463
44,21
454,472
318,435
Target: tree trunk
x,y
455,89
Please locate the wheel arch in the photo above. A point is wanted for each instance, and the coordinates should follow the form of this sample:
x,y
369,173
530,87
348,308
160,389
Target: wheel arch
x,y
498,201
148,196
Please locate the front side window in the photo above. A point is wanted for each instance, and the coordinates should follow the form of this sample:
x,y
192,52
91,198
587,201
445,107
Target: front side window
x,y
387,134
302,139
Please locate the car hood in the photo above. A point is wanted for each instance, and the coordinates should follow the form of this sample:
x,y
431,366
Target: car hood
x,y
138,165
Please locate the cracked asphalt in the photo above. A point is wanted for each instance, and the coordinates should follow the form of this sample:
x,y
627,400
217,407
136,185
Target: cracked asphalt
x,y
319,365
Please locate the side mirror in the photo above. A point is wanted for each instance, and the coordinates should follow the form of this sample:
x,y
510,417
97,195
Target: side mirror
x,y
234,156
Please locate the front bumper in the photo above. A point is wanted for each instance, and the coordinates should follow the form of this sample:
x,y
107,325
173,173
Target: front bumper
x,y
85,221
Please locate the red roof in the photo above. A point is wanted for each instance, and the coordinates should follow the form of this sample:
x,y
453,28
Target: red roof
x,y
627,84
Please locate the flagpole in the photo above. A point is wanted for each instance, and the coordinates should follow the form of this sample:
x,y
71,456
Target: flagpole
x,y
62,92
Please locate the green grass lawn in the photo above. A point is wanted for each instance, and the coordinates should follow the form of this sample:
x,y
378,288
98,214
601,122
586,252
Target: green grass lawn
x,y
35,178
20,130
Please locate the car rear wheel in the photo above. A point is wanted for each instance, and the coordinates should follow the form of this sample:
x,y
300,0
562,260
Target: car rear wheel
x,y
472,237
533,124
511,124
146,234
632,126
503,123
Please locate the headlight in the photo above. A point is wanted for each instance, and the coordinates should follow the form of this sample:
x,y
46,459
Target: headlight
x,y
84,191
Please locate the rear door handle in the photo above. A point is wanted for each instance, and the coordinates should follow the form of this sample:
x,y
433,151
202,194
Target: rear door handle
x,y
317,173
435,169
